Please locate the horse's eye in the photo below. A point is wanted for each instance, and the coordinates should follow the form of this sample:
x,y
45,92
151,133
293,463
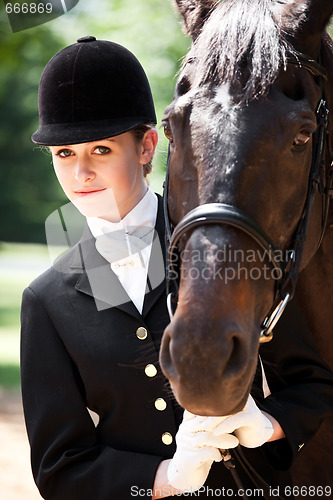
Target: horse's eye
x,y
302,138
167,130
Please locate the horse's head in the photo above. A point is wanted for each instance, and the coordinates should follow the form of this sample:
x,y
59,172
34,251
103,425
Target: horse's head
x,y
241,127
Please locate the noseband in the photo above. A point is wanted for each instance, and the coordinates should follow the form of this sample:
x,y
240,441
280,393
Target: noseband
x,y
220,213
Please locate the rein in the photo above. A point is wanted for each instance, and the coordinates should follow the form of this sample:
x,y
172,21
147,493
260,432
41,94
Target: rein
x,y
220,213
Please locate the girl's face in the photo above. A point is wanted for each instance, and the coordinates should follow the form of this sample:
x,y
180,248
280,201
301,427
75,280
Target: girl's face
x,y
105,178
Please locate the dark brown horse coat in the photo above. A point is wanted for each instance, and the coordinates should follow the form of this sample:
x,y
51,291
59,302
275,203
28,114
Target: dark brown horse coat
x,y
244,129
74,357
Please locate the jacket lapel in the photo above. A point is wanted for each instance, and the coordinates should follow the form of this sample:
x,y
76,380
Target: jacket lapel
x,y
97,278
156,270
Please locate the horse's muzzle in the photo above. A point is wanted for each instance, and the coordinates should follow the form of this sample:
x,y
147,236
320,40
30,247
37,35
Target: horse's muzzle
x,y
207,376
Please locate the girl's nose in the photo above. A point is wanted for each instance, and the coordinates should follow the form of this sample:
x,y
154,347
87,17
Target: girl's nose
x,y
83,172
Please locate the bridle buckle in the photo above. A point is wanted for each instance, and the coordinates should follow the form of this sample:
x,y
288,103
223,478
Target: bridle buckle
x,y
272,318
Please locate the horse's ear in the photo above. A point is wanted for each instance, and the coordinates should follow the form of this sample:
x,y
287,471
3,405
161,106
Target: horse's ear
x,y
319,14
315,15
194,13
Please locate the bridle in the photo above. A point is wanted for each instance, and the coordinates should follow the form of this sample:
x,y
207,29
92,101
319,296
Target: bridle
x,y
221,213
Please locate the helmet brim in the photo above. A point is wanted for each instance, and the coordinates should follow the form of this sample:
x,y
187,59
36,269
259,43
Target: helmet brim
x,y
66,134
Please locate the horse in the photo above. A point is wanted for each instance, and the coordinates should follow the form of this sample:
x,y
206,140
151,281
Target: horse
x,y
249,170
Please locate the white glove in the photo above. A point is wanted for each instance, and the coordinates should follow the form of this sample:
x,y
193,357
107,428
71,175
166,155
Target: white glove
x,y
197,449
250,425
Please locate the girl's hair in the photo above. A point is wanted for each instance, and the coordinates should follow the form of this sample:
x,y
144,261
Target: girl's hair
x,y
138,133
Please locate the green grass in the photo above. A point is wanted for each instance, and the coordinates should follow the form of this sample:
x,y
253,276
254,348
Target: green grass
x,y
19,265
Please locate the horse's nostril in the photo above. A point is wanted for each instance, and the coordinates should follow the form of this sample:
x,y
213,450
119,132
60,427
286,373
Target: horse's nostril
x,y
202,377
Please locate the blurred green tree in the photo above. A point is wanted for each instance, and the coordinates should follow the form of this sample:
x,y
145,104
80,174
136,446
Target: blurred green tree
x,y
29,191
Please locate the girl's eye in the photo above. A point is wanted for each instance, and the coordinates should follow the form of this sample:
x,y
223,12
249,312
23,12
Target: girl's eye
x,y
302,138
102,150
64,153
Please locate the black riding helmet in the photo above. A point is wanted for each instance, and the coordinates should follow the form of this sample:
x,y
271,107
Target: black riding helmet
x,y
92,90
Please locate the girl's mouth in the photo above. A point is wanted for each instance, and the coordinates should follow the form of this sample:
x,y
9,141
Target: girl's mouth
x,y
87,192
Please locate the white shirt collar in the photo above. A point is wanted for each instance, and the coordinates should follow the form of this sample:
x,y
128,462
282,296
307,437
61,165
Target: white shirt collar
x,y
133,269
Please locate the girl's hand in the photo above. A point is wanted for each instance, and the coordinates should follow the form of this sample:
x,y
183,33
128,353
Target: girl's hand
x,y
199,440
251,426
197,448
162,488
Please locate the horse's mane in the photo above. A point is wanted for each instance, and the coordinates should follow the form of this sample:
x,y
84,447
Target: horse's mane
x,y
246,32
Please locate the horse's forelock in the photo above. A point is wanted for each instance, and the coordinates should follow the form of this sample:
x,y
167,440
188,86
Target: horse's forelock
x,y
241,31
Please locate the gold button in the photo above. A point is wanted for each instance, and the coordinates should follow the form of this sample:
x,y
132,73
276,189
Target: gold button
x,y
150,370
160,404
141,333
167,438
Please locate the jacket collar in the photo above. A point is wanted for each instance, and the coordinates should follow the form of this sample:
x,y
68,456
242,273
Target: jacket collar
x,y
99,281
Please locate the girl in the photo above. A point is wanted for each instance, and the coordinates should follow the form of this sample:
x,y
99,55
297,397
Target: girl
x,y
92,324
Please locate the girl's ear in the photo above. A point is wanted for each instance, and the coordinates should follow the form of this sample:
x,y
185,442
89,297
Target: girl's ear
x,y
148,146
194,13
